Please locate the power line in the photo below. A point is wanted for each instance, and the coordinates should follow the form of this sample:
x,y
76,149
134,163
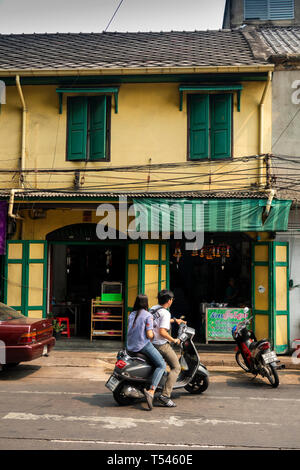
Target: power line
x,y
113,15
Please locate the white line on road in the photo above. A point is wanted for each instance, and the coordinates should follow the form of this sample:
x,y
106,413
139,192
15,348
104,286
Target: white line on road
x,y
116,422
54,393
107,394
143,444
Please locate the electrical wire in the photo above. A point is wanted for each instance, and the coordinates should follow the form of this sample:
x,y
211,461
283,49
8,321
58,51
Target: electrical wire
x,y
113,15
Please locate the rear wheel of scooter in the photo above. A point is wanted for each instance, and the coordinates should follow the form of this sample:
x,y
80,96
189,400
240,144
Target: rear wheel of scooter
x,y
198,385
119,396
272,375
240,360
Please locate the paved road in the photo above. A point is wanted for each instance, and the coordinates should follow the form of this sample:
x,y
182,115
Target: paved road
x,y
57,411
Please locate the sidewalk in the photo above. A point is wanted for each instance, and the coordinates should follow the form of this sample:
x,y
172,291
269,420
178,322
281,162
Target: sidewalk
x,y
83,353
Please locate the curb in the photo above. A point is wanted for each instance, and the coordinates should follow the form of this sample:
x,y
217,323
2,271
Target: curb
x,y
103,358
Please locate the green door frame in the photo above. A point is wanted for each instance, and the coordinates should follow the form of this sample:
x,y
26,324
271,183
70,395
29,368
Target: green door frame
x,y
26,261
158,262
272,313
280,349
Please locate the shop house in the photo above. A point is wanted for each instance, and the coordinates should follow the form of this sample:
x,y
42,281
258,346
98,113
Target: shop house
x,y
155,118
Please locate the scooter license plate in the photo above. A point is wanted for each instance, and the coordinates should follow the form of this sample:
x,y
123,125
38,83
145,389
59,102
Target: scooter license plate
x,y
112,383
269,357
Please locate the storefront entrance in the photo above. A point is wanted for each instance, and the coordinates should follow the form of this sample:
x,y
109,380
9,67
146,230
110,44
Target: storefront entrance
x,y
77,273
218,275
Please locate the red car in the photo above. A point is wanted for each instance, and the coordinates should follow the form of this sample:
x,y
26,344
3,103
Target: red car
x,y
22,338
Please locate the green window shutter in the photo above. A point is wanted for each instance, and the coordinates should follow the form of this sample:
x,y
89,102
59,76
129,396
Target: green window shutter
x,y
199,126
97,130
220,136
77,128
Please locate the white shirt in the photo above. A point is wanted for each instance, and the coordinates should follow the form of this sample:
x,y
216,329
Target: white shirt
x,y
161,319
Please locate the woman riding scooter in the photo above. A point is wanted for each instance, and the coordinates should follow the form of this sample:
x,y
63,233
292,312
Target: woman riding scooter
x,y
139,336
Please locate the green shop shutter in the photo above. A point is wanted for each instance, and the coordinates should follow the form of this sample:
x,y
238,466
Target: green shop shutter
x,y
220,126
97,130
199,126
77,128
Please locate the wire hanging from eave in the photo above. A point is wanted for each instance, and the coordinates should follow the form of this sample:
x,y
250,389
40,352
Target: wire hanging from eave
x,y
113,16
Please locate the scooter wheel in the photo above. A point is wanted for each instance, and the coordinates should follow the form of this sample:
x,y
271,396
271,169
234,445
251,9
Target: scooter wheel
x,y
198,385
240,361
272,376
120,398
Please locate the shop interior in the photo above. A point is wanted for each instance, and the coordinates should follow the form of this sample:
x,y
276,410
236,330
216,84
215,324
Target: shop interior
x,y
218,275
77,274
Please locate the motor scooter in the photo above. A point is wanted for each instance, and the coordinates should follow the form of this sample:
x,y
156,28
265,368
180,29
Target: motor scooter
x,y
133,371
255,356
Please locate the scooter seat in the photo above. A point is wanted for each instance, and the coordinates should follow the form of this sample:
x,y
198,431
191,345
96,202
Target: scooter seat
x,y
137,354
257,343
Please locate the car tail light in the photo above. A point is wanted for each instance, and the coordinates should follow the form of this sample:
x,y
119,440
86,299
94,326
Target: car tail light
x,y
28,338
265,346
45,333
120,364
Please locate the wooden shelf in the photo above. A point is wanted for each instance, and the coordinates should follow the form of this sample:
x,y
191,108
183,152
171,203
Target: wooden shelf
x,y
113,317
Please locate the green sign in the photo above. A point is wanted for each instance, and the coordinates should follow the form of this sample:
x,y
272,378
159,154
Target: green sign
x,y
220,321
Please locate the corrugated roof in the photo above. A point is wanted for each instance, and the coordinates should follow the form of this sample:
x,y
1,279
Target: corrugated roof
x,y
125,50
98,195
281,40
274,42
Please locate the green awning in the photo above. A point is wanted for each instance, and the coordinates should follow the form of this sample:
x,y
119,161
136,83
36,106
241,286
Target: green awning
x,y
210,215
109,90
208,88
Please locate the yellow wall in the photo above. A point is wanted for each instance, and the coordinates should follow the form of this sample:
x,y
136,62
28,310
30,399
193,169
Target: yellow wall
x,y
148,125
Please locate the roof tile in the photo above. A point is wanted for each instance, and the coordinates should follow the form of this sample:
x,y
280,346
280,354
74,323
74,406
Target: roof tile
x,y
114,50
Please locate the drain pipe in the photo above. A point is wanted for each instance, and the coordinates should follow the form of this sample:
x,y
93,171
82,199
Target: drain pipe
x,y
271,193
11,204
261,122
24,118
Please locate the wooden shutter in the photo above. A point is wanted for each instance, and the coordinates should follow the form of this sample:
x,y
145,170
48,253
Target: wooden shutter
x,y
97,131
199,126
281,9
220,136
77,128
256,9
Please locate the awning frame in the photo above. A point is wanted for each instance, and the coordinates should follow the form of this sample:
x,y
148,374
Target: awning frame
x,y
110,90
201,88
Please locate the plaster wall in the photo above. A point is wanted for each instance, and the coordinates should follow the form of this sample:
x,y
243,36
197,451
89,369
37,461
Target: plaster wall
x,y
148,128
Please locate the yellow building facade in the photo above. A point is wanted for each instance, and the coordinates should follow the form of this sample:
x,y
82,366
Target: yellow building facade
x,y
173,134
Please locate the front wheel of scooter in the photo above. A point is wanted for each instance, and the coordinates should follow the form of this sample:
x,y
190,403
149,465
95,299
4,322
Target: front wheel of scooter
x,y
119,396
198,385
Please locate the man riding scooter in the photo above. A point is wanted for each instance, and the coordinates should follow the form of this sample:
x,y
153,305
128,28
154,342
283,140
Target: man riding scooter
x,y
161,325
133,375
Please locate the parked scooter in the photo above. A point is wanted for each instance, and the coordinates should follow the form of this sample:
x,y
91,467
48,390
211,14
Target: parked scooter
x,y
133,371
255,356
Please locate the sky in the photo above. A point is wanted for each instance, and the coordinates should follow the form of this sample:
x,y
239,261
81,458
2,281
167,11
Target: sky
x,y
41,16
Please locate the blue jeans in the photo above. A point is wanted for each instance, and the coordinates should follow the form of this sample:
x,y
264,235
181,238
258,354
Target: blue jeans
x,y
157,359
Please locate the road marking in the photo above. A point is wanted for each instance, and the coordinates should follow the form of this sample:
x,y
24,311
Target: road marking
x,y
116,422
143,444
108,394
55,393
